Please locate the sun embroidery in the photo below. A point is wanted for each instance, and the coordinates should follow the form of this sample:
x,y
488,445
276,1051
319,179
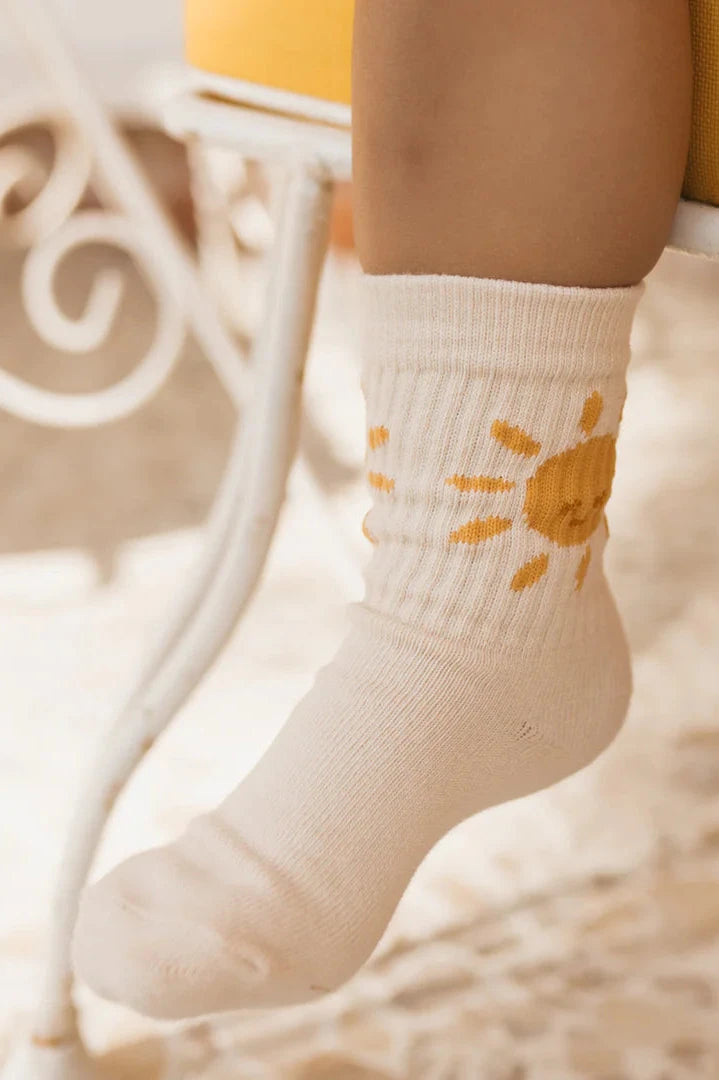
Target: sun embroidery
x,y
564,498
377,437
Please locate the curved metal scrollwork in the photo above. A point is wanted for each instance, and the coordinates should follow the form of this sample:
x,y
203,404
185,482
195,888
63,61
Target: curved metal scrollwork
x,y
48,224
48,198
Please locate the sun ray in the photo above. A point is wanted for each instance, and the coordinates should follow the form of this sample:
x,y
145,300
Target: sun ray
x,y
583,568
377,437
530,573
514,439
474,532
591,413
381,482
366,531
564,497
480,483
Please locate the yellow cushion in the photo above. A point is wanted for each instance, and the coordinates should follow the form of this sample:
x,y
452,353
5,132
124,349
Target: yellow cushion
x,y
702,177
300,46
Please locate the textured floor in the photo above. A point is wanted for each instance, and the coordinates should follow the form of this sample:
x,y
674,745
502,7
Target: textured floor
x,y
571,935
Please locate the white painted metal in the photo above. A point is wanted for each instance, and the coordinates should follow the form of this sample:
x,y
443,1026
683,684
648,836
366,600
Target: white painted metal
x,y
342,554
48,227
223,267
696,229
269,97
123,185
266,136
59,193
92,328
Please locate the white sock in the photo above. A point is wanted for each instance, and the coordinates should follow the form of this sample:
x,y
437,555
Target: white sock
x,y
487,660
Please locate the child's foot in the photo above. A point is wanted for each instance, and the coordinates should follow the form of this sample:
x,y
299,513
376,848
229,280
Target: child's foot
x,y
486,661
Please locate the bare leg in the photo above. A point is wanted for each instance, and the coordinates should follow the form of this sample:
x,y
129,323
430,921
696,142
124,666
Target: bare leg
x,y
531,142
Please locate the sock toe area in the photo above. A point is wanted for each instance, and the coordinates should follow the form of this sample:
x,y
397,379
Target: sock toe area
x,y
133,946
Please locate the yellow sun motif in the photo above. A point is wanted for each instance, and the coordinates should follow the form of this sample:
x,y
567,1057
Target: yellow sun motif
x,y
564,498
377,437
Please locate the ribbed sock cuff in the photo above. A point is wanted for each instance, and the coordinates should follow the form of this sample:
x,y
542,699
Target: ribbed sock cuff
x,y
418,322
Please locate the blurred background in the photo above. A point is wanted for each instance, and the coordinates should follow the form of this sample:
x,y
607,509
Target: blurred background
x,y
574,934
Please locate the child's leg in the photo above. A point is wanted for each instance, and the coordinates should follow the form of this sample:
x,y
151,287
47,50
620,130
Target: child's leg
x,y
539,143
527,141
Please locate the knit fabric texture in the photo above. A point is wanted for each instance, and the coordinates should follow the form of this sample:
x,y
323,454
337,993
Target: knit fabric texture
x,y
487,660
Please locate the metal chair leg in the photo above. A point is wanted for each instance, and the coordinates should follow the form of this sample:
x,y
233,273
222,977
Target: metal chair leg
x,y
240,537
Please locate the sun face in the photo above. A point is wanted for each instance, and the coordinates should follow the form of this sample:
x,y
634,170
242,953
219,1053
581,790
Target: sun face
x,y
564,498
